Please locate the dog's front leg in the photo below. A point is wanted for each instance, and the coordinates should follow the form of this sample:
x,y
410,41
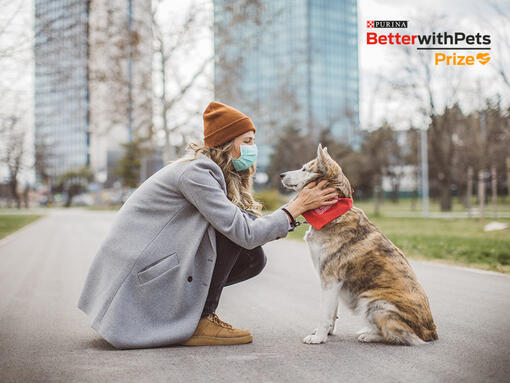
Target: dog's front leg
x,y
329,305
335,317
333,323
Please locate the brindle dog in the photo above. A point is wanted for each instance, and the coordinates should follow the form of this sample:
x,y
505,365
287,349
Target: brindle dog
x,y
358,264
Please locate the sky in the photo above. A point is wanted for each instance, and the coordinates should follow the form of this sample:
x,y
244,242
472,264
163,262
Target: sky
x,y
466,16
16,71
375,62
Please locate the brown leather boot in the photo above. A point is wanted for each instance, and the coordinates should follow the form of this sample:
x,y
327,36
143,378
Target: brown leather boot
x,y
212,331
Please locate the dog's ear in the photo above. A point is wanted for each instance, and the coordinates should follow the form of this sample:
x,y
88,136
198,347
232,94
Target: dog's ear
x,y
322,157
319,150
326,153
344,186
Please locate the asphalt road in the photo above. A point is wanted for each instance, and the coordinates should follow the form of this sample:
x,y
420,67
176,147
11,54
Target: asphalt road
x,y
44,337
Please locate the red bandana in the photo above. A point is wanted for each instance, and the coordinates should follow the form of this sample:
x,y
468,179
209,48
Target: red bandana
x,y
325,214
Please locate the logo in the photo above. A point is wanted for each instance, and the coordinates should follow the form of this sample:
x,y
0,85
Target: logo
x,y
484,58
456,59
435,41
387,24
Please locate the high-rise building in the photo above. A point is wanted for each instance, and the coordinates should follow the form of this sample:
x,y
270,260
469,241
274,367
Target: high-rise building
x,y
289,63
92,81
62,101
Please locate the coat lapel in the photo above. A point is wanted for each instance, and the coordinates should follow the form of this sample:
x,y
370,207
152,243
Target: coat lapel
x,y
222,180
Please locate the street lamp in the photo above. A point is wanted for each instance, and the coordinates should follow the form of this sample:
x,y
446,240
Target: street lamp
x,y
424,171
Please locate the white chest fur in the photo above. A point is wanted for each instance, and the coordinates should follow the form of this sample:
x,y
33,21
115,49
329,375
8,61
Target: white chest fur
x,y
314,245
329,291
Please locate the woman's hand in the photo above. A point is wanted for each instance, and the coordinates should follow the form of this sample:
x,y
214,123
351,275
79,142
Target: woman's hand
x,y
311,197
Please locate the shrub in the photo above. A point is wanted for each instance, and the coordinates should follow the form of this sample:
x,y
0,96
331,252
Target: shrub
x,y
269,198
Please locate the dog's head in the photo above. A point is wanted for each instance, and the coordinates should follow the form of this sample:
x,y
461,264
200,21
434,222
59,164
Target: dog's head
x,y
323,167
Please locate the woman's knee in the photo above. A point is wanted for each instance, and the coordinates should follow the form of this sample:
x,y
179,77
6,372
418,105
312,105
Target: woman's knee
x,y
258,261
250,263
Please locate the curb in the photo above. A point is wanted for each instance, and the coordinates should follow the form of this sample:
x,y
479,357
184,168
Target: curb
x,y
9,238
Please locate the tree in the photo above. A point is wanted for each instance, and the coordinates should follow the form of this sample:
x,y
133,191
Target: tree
x,y
128,167
291,150
432,89
411,157
15,63
496,21
497,137
175,43
42,158
395,170
482,146
378,148
181,91
74,182
12,152
120,67
443,131
350,160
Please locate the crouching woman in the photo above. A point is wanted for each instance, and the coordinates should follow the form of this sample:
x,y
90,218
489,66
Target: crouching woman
x,y
189,230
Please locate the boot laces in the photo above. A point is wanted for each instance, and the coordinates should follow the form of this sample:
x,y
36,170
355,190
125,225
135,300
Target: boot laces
x,y
217,320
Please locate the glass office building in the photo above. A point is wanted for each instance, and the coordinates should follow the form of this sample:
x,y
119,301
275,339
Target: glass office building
x,y
61,83
93,89
289,63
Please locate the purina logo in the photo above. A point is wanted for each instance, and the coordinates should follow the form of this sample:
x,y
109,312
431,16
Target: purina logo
x,y
386,23
434,41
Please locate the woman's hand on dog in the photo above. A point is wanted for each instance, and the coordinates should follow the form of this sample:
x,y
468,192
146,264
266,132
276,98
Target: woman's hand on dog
x,y
311,197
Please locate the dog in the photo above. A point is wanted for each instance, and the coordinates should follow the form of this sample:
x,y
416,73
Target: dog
x,y
357,264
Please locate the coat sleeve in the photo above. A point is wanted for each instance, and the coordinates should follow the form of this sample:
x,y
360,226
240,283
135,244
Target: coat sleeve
x,y
200,186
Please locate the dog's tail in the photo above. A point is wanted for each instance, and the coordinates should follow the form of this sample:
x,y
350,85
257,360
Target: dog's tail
x,y
394,330
429,333
407,338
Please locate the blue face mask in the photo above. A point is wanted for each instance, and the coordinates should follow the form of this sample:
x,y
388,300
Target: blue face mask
x,y
247,158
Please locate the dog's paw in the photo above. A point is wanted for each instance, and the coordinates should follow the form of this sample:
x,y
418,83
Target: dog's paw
x,y
364,330
314,339
363,337
330,331
369,337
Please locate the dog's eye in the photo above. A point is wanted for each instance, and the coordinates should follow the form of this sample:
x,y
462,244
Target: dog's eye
x,y
303,169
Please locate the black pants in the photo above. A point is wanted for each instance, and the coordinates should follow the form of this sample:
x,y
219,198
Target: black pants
x,y
234,264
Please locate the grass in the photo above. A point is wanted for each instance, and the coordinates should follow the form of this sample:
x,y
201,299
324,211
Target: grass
x,y
272,199
9,223
407,206
454,241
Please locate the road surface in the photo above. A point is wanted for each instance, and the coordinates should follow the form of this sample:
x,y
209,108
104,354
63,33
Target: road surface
x,y
44,337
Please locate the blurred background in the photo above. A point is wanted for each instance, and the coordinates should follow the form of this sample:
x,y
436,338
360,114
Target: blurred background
x,y
97,95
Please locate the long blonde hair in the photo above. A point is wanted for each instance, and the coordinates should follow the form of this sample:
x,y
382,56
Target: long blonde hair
x,y
239,183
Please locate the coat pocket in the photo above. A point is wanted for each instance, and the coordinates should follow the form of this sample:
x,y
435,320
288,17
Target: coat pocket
x,y
158,268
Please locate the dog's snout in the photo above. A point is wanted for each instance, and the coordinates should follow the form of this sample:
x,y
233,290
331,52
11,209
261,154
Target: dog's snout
x,y
282,175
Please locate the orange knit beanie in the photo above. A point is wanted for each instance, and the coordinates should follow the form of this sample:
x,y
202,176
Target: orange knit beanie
x,y
222,123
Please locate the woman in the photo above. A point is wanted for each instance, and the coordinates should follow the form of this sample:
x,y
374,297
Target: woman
x,y
187,231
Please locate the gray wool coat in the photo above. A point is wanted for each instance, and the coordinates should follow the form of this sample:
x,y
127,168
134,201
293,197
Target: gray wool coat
x,y
149,280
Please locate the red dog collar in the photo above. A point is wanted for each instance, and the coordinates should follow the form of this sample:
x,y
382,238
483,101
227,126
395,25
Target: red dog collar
x,y
325,214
